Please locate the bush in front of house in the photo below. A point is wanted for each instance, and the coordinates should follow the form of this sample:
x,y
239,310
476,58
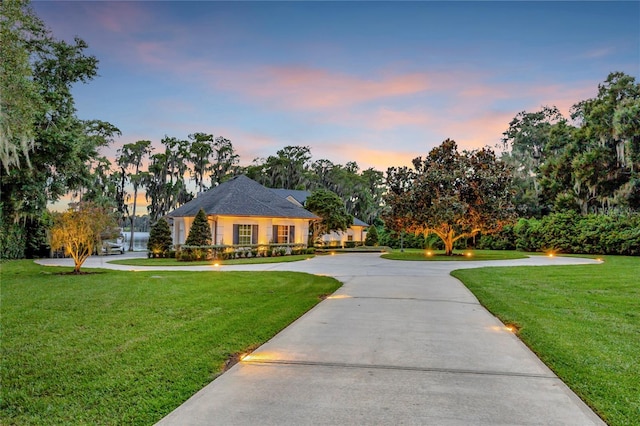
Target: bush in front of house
x,y
200,231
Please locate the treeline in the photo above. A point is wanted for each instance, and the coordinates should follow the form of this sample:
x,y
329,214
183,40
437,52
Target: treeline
x,y
588,164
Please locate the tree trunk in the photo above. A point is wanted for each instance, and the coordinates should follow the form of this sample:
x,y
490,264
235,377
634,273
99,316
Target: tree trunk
x,y
133,216
448,244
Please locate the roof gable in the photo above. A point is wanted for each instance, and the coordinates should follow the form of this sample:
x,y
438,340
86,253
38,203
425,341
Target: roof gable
x,y
241,196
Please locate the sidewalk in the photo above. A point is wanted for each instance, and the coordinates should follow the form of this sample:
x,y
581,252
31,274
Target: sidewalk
x,y
399,343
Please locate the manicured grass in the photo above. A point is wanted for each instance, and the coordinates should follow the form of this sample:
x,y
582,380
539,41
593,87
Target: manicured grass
x,y
460,255
143,261
128,347
582,321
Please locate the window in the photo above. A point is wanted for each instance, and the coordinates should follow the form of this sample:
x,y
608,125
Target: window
x,y
283,234
245,234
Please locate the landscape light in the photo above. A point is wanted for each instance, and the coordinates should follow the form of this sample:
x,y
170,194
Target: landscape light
x,y
468,254
429,253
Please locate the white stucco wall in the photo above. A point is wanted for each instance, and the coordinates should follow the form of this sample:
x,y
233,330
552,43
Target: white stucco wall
x,y
222,228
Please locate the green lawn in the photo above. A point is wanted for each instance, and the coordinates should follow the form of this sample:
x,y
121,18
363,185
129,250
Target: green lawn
x,y
460,255
143,261
582,321
129,347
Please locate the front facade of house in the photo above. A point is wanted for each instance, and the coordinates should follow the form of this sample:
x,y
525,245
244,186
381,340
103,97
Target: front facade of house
x,y
243,212
246,230
356,233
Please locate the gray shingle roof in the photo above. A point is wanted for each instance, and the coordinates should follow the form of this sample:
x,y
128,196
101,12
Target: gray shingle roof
x,y
299,196
241,196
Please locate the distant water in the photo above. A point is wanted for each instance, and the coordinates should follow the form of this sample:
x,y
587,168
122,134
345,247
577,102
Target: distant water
x,y
140,240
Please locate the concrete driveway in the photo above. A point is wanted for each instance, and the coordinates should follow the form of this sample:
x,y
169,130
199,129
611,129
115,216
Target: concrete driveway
x,y
398,343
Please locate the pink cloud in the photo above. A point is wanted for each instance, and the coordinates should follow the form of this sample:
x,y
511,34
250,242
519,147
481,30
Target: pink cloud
x,y
310,88
118,17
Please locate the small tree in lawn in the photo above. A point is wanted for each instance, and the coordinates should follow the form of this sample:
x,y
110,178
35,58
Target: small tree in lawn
x,y
330,207
160,239
372,236
199,234
78,231
453,195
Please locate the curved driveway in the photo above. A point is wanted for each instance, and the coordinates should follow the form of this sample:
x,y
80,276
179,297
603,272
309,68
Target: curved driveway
x,y
398,343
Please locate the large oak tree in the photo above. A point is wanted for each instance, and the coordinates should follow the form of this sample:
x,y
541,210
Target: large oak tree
x,y
451,194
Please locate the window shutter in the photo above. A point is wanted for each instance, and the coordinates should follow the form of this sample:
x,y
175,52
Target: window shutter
x,y
292,234
254,234
274,236
236,234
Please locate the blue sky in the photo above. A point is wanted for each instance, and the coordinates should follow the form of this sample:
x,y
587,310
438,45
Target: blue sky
x,y
378,83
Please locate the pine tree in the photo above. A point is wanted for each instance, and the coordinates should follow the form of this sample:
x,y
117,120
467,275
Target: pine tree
x,y
160,240
372,236
200,232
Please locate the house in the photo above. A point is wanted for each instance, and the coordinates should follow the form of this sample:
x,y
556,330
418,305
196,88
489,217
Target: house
x,y
357,232
243,212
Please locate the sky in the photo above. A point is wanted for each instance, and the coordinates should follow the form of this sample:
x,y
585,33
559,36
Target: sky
x,y
379,83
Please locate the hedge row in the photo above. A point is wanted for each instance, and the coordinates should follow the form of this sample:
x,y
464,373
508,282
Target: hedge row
x,y
570,233
192,253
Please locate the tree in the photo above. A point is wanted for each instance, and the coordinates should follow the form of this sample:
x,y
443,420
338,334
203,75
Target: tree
x,y
160,239
287,169
20,101
200,231
526,143
331,209
132,155
361,192
372,236
225,162
453,195
201,150
78,231
63,146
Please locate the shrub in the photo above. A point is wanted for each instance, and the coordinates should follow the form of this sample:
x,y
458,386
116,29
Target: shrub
x,y
160,239
569,232
372,237
200,231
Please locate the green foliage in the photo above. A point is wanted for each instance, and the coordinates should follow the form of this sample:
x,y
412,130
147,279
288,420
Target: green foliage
x,y
200,231
160,239
372,236
331,209
589,168
21,102
12,240
569,232
453,195
582,321
156,338
59,146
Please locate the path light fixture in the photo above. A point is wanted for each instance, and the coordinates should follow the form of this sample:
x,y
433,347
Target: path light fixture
x,y
468,254
429,253
339,296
